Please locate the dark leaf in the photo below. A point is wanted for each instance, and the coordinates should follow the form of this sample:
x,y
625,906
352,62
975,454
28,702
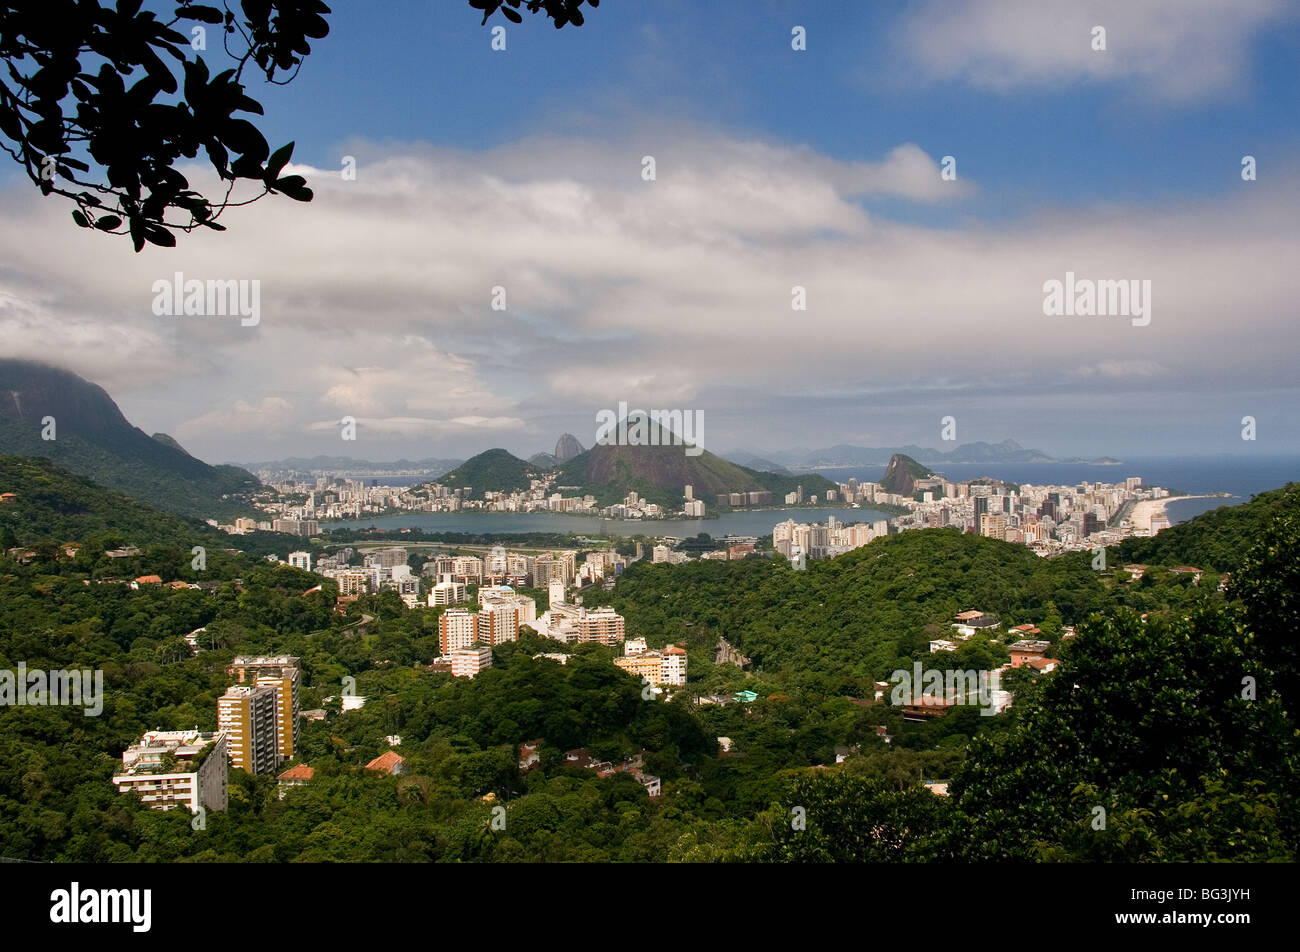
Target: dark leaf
x,y
202,14
159,236
295,186
278,160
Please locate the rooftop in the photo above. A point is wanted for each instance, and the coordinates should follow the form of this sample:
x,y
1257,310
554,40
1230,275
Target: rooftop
x,y
1039,646
386,761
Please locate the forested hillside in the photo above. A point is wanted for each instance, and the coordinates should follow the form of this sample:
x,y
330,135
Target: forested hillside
x,y
55,414
852,619
1170,711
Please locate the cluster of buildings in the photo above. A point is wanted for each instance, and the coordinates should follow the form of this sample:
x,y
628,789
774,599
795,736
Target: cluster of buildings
x,y
331,498
731,547
856,493
257,730
665,668
299,526
1048,519
574,624
308,502
327,497
530,759
466,638
385,569
1025,649
821,540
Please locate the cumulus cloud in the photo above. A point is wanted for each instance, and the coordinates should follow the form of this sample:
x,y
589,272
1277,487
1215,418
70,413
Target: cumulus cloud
x,y
377,298
269,415
1171,50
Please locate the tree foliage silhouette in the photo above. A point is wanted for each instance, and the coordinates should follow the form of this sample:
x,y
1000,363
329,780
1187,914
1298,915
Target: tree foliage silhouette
x,y
100,102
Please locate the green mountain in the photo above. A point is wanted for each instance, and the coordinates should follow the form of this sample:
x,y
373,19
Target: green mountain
x,y
878,606
1218,539
93,439
661,473
495,470
902,474
50,504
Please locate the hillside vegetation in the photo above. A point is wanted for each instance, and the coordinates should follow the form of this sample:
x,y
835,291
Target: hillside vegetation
x,y
494,470
93,439
661,473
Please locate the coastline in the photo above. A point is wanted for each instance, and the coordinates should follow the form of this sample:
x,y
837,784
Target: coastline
x,y
1145,509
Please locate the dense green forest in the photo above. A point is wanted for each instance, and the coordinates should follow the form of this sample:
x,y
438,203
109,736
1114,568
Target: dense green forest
x,y
51,505
1165,734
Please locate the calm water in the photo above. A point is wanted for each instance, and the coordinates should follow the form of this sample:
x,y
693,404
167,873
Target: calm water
x,y
732,523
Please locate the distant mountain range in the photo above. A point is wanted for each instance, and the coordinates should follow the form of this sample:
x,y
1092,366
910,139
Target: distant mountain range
x,y
92,438
1008,451
432,466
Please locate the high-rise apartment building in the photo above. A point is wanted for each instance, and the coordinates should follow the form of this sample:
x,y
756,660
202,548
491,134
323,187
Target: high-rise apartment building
x,y
457,628
498,622
993,526
247,716
602,625
673,666
282,673
446,593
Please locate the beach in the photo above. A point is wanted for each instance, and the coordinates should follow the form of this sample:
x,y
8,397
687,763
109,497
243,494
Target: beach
x,y
1145,509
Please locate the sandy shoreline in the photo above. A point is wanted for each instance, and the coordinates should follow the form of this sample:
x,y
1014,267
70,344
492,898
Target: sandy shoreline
x,y
1142,512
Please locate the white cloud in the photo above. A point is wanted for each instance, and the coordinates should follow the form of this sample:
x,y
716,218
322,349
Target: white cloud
x,y
1120,368
674,293
269,415
1166,49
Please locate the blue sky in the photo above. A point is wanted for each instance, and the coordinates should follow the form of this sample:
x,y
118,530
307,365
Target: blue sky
x,y
775,168
851,95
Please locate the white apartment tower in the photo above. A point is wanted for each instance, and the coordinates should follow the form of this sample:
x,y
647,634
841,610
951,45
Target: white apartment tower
x,y
195,775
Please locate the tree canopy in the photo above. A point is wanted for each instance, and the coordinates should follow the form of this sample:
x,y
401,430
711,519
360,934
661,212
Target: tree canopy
x,y
102,102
